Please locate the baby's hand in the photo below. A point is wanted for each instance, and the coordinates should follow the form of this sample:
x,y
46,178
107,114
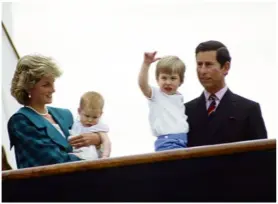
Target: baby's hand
x,y
149,57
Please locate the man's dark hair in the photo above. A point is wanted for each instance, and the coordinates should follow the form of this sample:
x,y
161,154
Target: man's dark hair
x,y
222,53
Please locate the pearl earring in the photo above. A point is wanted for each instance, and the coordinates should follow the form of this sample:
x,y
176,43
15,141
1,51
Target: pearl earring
x,y
29,95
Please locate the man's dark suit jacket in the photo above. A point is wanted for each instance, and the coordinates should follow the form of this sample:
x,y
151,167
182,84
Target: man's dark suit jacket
x,y
235,119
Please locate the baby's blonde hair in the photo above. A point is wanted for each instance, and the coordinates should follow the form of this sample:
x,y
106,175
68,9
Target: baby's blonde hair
x,y
29,70
170,65
92,100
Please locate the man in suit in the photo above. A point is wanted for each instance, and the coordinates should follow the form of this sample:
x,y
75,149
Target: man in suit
x,y
218,115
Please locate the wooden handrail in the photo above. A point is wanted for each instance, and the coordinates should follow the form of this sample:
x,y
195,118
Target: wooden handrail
x,y
195,152
10,40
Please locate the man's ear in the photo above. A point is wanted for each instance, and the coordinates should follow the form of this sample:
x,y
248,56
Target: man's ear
x,y
79,110
226,68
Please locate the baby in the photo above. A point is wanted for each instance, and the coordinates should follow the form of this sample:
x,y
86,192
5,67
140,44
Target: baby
x,y
90,111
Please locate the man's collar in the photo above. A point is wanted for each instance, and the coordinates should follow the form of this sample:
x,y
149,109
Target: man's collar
x,y
219,94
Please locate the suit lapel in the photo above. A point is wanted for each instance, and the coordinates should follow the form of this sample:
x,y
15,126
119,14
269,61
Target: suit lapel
x,y
60,121
41,123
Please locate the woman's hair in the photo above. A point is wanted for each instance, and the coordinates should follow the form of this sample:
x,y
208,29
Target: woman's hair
x,y
170,65
29,71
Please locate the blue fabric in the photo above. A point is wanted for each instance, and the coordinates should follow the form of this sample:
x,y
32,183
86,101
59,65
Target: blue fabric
x,y
171,141
36,141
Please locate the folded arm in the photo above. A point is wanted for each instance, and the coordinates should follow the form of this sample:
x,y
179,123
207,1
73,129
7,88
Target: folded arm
x,y
85,140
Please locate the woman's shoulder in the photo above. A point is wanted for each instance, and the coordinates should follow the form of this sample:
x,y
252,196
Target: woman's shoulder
x,y
58,110
19,114
17,117
19,120
61,113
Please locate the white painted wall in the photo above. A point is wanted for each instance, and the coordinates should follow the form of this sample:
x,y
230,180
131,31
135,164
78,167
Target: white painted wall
x,y
7,17
8,63
100,45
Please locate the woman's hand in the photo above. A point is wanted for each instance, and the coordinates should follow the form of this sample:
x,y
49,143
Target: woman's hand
x,y
85,140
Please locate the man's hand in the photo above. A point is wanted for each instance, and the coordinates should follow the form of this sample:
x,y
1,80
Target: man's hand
x,y
149,57
85,140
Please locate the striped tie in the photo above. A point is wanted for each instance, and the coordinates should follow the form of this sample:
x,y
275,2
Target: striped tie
x,y
212,105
